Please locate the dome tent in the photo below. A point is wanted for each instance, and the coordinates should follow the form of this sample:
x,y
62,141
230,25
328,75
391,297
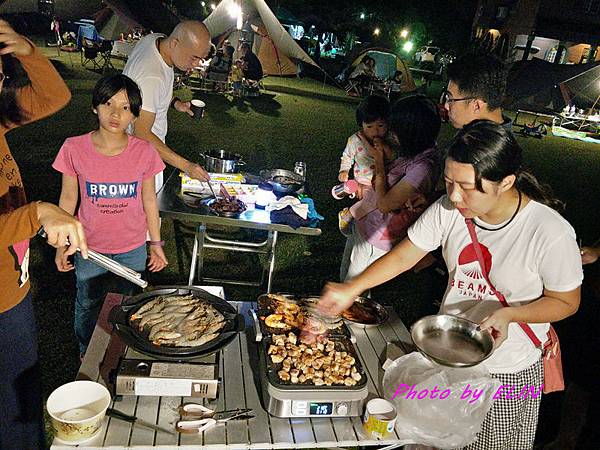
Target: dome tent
x,y
387,62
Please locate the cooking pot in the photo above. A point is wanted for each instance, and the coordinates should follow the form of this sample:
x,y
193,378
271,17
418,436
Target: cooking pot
x,y
221,161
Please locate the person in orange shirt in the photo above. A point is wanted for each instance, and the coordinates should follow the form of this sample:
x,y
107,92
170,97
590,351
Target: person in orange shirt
x,y
30,89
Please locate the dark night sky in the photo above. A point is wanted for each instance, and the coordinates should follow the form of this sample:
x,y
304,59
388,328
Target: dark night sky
x,y
446,22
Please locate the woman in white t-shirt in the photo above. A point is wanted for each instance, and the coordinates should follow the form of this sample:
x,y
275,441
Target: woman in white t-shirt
x,y
530,252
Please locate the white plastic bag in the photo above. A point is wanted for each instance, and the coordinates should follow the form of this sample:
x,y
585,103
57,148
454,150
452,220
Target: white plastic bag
x,y
439,406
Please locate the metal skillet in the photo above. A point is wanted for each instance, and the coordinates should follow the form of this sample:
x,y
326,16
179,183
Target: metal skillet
x,y
451,340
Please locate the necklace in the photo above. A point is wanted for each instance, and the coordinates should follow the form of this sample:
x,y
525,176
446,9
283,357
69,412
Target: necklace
x,y
506,224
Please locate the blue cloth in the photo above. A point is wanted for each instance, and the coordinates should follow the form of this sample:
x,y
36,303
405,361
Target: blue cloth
x,y
88,32
93,283
287,216
312,212
21,420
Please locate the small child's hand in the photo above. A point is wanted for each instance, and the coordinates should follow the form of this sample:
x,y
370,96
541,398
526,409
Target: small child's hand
x,y
371,150
343,176
158,260
382,146
62,260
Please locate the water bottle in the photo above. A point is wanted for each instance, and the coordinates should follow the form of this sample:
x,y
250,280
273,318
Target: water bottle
x,y
346,189
300,169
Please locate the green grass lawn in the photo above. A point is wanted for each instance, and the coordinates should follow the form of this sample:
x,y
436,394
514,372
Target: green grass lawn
x,y
272,131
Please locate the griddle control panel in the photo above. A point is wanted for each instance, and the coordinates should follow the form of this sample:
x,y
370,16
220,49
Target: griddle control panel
x,y
320,408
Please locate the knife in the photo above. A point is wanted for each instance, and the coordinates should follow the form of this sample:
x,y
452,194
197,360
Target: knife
x,y
134,420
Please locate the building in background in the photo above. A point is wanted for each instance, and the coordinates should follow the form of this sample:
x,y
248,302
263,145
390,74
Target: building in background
x,y
559,31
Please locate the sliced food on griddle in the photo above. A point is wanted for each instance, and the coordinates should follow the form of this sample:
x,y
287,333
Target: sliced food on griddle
x,y
320,362
178,321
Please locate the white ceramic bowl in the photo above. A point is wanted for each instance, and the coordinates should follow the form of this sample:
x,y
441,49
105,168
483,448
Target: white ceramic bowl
x,y
77,410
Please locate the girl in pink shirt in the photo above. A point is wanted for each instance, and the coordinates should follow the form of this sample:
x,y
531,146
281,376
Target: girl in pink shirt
x,y
112,175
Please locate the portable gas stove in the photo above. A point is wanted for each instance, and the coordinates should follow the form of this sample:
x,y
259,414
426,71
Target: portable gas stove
x,y
306,400
139,374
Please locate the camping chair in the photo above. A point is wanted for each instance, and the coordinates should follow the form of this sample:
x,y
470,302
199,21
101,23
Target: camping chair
x,y
537,131
216,81
89,52
251,88
217,74
261,85
180,80
105,53
352,87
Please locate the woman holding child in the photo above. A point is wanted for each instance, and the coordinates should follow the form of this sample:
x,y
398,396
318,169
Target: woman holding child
x,y
528,253
380,217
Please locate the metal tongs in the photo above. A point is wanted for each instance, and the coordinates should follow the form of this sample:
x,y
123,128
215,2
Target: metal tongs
x,y
197,418
110,265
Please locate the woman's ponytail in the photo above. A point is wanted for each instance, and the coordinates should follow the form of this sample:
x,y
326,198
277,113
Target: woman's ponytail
x,y
528,184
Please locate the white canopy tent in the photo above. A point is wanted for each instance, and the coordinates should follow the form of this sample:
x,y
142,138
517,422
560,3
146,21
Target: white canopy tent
x,y
275,48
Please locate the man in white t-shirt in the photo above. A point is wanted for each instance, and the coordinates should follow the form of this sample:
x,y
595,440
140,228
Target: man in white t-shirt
x,y
151,67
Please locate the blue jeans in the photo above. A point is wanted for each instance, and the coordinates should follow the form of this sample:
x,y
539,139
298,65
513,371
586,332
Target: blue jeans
x,y
21,419
94,282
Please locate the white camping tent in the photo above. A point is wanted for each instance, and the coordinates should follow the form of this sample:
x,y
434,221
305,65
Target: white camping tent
x,y
275,48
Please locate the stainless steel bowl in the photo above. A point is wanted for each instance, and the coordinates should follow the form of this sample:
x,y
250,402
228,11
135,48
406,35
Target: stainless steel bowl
x,y
283,181
451,340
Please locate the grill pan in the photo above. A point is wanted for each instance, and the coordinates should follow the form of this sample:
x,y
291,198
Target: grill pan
x,y
271,368
119,317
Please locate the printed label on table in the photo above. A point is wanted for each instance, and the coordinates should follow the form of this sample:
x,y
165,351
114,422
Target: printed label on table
x,y
163,386
196,371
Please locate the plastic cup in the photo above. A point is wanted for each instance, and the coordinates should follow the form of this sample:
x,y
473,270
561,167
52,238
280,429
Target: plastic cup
x,y
197,107
346,189
77,410
380,418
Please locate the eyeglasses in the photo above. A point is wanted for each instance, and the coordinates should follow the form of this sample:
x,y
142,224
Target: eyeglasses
x,y
3,77
446,98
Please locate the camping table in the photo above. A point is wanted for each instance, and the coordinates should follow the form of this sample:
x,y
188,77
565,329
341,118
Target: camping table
x,y
122,49
577,120
238,390
171,204
536,116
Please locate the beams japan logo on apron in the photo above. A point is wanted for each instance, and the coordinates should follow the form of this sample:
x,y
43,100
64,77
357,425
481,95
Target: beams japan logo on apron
x,y
468,278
